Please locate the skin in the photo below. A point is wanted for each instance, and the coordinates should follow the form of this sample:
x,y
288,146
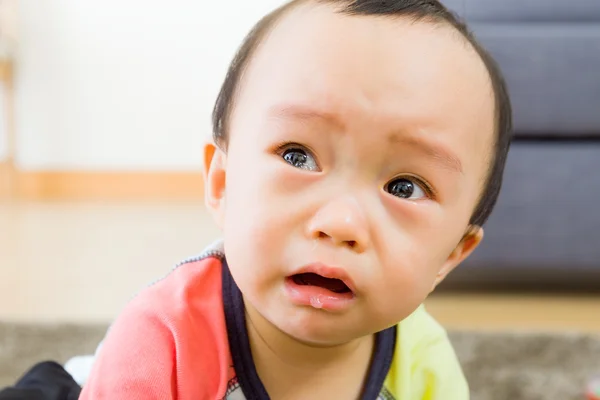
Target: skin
x,y
369,100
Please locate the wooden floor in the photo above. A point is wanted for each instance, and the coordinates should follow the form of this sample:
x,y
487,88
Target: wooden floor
x,y
83,261
532,312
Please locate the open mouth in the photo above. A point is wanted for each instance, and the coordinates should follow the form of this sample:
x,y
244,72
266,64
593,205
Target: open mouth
x,y
311,279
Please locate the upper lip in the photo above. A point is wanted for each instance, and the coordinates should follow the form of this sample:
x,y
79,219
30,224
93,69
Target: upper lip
x,y
328,271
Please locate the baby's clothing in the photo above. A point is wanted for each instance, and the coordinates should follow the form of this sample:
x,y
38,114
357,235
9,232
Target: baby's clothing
x,y
185,338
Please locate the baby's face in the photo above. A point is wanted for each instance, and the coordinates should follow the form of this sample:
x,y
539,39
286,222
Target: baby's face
x,y
358,150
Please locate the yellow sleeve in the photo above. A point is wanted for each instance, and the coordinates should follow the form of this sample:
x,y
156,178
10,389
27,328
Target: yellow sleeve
x,y
437,373
425,366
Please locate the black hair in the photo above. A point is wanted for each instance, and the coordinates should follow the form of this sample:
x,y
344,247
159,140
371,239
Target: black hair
x,y
427,10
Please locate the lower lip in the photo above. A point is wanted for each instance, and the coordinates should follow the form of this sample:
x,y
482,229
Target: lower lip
x,y
317,297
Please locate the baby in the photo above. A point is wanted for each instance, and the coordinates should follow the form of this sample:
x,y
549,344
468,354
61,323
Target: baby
x,y
359,147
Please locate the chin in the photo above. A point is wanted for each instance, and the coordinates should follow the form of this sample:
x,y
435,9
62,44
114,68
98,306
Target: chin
x,y
318,330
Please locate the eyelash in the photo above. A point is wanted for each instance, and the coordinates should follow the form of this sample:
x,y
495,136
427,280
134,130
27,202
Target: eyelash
x,y
280,148
427,188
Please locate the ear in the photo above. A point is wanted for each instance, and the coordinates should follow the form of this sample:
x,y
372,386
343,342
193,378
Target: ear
x,y
215,161
465,248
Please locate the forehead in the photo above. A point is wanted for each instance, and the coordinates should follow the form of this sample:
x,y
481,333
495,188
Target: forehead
x,y
376,68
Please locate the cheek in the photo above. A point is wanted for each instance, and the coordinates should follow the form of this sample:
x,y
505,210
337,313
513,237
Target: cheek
x,y
400,293
412,257
250,216
412,267
258,218
403,286
262,190
247,189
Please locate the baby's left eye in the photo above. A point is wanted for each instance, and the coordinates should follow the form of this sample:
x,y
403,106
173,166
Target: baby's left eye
x,y
406,188
300,158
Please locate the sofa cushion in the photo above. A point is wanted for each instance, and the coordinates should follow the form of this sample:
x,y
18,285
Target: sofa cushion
x,y
528,10
553,74
457,6
547,216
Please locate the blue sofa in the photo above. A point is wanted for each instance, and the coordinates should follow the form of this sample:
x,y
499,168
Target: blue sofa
x,y
545,230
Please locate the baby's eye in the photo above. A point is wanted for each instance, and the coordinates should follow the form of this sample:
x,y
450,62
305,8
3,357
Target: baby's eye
x,y
406,188
300,158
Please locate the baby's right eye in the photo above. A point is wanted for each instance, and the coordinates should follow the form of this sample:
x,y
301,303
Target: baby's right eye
x,y
300,158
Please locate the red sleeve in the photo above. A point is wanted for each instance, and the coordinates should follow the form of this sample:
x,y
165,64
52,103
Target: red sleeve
x,y
136,361
170,342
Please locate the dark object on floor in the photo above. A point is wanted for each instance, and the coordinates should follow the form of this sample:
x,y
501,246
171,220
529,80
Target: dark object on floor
x,y
45,381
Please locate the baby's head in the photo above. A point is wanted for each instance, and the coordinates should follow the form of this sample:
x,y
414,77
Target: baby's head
x,y
360,147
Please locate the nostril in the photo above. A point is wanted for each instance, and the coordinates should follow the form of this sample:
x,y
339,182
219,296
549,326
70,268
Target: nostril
x,y
351,244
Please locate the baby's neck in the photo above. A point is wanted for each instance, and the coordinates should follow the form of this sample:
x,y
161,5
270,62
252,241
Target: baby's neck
x,y
291,369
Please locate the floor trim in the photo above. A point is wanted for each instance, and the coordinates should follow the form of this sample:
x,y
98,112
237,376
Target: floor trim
x,y
6,187
102,185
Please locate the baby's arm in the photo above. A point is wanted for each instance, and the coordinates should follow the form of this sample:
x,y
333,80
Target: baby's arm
x,y
426,366
136,361
440,375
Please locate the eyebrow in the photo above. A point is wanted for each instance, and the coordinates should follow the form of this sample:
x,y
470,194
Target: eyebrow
x,y
437,152
304,113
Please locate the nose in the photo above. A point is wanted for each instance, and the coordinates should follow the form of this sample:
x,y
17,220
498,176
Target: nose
x,y
342,222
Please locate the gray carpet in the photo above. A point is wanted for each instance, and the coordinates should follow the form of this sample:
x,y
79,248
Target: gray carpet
x,y
500,366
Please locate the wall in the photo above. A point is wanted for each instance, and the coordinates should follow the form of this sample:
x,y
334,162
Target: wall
x,y
122,85
3,125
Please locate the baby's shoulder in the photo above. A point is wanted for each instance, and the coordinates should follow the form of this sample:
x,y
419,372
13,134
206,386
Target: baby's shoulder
x,y
421,327
193,287
422,334
182,313
153,346
424,348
